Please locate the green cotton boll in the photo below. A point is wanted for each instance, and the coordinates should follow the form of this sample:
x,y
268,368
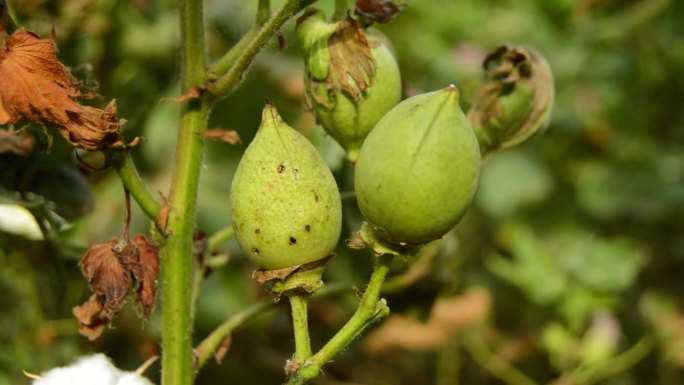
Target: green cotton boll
x,y
516,100
352,77
418,169
286,207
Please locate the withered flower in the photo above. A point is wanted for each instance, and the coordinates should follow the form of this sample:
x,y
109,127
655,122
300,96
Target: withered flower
x,y
113,269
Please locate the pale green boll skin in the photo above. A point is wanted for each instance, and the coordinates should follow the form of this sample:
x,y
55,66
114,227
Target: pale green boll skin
x,y
286,207
349,121
418,169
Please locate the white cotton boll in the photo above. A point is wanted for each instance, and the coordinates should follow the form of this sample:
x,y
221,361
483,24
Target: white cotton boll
x,y
91,370
133,379
15,219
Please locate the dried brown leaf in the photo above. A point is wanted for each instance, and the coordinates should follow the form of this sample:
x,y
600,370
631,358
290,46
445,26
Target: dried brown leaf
x,y
378,11
449,316
401,332
106,267
20,143
145,273
91,317
228,136
453,314
38,88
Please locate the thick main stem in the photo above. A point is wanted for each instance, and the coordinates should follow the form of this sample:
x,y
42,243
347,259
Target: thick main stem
x,y
176,256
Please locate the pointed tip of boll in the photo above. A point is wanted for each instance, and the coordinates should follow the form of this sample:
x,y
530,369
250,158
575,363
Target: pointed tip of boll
x,y
270,115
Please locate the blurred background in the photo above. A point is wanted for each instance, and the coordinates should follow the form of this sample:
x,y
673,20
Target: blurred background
x,y
567,270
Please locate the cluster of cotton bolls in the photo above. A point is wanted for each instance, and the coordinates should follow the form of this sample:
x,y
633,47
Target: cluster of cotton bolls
x,y
96,369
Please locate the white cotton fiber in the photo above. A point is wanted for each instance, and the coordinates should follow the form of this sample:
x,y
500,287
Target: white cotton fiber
x,y
91,370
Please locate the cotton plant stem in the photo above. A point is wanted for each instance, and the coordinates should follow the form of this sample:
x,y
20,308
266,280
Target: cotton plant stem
x,y
300,324
209,345
220,237
122,162
340,10
495,365
614,365
371,309
222,65
227,81
176,252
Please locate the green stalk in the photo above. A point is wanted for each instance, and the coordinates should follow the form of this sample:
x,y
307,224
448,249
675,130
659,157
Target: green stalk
x,y
298,303
371,309
229,58
340,10
207,347
231,78
176,253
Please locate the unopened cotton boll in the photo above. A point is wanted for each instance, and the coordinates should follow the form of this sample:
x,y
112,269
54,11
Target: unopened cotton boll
x,y
96,369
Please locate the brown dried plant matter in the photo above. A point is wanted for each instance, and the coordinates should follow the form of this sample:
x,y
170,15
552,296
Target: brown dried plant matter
x,y
113,269
36,87
378,11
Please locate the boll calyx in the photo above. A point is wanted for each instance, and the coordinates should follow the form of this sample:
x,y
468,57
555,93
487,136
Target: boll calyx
x,y
352,78
515,102
286,208
418,169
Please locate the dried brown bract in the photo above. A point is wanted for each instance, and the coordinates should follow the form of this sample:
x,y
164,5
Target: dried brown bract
x,y
37,87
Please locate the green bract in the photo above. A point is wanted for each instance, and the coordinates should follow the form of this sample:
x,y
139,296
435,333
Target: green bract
x,y
352,78
286,208
418,169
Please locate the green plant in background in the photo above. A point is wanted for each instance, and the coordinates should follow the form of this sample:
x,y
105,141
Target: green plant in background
x,y
558,238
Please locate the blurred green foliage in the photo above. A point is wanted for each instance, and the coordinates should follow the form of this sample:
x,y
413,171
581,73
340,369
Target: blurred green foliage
x,y
578,235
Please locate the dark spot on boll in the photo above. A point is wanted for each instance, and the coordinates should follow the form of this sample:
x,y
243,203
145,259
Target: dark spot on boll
x,y
255,251
316,197
281,168
307,228
257,231
296,171
293,241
